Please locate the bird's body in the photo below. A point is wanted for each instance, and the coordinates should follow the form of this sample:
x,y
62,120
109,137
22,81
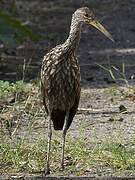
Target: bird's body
x,y
60,78
61,82
61,85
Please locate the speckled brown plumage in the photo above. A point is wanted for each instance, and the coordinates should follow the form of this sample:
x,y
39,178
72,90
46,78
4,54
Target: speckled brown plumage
x,y
60,78
60,85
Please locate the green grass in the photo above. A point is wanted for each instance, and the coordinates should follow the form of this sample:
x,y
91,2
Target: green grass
x,y
21,104
20,157
23,139
17,89
121,92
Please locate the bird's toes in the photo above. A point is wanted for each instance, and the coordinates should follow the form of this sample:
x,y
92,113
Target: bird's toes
x,y
46,172
62,166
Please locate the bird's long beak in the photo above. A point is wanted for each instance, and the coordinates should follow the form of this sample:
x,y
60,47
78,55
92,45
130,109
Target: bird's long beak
x,y
97,25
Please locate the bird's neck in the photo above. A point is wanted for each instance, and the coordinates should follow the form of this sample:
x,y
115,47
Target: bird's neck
x,y
74,35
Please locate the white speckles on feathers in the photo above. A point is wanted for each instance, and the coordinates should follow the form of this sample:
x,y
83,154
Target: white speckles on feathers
x,y
60,73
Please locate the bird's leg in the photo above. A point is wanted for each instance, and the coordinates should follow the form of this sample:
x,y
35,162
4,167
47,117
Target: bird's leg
x,y
49,144
63,138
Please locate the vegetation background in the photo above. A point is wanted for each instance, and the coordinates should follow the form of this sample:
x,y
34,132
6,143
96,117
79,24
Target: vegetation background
x,y
101,140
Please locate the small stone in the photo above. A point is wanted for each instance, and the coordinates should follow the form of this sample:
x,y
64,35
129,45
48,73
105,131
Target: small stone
x,y
122,109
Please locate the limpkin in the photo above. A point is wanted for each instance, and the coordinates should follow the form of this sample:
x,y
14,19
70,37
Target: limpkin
x,y
60,78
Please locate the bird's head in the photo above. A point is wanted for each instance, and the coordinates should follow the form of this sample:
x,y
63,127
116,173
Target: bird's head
x,y
85,16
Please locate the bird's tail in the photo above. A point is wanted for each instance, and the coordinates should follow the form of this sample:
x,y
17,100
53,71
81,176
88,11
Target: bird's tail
x,y
58,117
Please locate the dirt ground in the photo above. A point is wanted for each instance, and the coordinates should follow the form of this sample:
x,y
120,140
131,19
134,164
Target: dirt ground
x,y
51,21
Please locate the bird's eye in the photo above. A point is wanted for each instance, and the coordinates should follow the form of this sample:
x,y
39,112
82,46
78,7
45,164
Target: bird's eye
x,y
87,15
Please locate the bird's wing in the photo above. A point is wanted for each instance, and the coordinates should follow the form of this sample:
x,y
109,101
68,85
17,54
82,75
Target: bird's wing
x,y
50,60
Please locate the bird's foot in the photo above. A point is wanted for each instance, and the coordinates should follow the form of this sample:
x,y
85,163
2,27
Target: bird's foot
x,y
62,166
46,172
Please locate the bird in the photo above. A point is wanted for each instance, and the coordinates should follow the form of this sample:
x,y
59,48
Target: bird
x,y
60,78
